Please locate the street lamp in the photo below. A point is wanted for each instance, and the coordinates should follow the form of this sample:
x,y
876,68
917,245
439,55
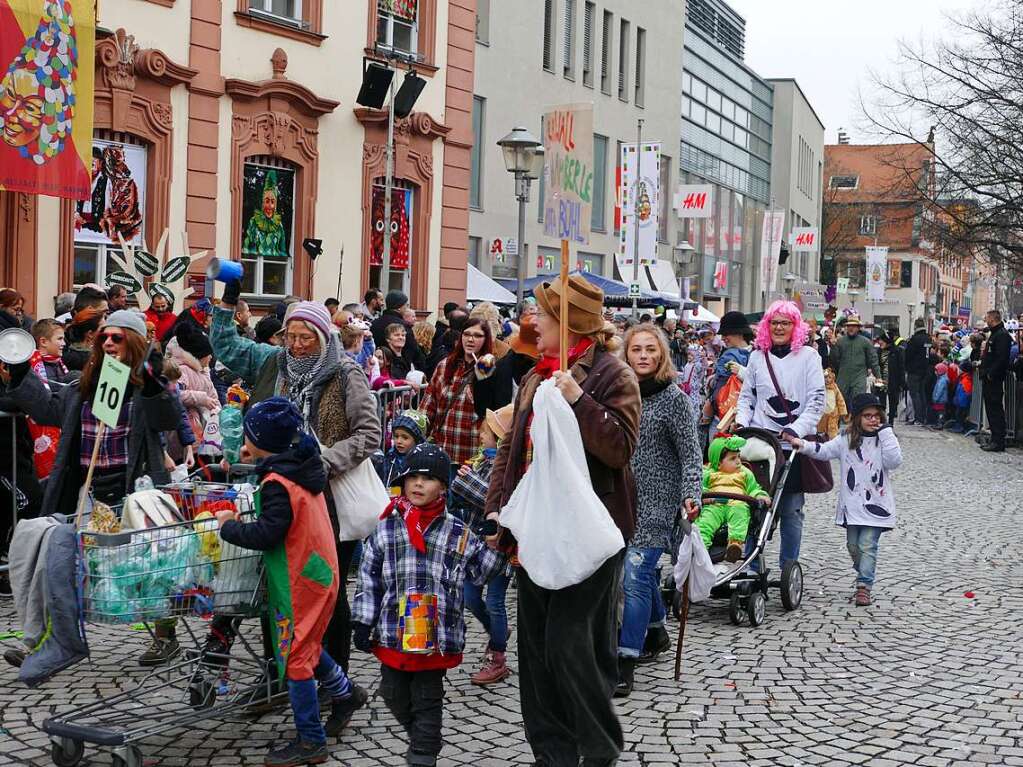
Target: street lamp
x,y
790,282
523,157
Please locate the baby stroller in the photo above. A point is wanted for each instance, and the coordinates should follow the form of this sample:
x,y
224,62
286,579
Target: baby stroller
x,y
745,588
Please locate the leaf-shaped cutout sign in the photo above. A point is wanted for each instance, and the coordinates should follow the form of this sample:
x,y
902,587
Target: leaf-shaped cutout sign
x,y
174,269
146,263
158,289
128,281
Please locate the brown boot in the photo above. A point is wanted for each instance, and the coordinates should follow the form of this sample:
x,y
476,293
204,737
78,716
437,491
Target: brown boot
x,y
734,551
862,597
494,670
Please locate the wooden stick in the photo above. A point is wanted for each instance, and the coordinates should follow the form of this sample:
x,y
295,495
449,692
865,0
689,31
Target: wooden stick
x,y
563,307
88,475
682,628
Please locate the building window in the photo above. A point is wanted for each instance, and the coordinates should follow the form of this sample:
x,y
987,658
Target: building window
x,y
289,11
483,21
111,209
548,35
598,219
268,211
569,47
605,53
397,25
906,277
868,225
844,182
589,19
476,155
474,252
640,65
623,60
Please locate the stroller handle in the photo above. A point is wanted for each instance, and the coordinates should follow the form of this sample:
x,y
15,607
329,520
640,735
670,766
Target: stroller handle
x,y
733,497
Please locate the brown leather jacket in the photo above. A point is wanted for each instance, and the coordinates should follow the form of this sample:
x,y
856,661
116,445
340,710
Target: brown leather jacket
x,y
608,416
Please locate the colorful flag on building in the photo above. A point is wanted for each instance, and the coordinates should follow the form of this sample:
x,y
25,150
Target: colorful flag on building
x,y
877,270
640,193
47,49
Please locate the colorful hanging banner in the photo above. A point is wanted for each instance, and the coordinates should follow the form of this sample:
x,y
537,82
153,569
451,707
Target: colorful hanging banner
x,y
877,269
47,49
770,249
402,9
640,194
568,172
401,228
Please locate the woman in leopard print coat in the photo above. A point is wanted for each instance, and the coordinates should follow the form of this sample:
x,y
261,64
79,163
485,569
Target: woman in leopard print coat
x,y
667,464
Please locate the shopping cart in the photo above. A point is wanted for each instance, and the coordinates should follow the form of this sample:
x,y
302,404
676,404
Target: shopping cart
x,y
181,571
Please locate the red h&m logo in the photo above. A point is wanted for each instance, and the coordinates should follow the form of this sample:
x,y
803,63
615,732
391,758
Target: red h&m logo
x,y
695,201
806,238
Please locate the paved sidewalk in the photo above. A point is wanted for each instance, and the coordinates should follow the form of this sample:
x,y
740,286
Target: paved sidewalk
x,y
926,676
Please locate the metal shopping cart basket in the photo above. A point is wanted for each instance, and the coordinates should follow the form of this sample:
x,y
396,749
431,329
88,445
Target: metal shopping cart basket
x,y
185,572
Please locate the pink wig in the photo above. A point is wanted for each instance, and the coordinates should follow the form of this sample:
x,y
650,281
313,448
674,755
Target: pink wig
x,y
787,310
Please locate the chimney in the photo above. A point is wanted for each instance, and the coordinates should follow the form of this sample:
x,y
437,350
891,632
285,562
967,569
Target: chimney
x,y
843,137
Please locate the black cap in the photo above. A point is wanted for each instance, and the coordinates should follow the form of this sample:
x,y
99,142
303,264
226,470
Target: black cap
x,y
267,328
862,401
428,459
734,324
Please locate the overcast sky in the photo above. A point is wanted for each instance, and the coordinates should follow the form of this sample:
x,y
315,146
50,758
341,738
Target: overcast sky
x,y
829,46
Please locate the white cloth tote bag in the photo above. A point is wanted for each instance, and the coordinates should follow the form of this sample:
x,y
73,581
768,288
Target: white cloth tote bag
x,y
563,529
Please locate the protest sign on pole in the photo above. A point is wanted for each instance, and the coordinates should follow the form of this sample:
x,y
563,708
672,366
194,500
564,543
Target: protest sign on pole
x,y
770,249
877,271
568,172
640,195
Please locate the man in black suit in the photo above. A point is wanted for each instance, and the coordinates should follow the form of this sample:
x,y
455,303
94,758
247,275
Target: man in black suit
x,y
994,363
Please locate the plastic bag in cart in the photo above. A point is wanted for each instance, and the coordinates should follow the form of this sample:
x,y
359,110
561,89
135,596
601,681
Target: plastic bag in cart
x,y
694,563
564,531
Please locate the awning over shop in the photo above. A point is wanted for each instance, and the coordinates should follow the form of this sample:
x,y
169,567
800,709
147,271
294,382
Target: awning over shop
x,y
480,287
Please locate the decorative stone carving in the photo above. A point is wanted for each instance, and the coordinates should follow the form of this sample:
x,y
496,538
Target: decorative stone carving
x,y
164,114
279,62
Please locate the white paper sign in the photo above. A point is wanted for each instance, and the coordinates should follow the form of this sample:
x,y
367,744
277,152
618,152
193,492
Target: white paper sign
x,y
805,239
568,171
694,200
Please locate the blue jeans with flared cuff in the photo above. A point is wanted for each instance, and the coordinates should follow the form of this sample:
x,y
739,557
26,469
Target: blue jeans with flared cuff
x,y
643,605
491,612
862,541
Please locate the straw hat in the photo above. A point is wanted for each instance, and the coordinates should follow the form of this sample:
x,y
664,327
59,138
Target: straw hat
x,y
500,420
585,303
853,319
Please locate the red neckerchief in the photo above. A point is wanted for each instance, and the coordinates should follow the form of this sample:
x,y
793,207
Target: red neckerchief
x,y
417,518
549,365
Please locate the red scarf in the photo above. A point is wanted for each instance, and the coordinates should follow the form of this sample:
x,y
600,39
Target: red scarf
x,y
417,518
549,365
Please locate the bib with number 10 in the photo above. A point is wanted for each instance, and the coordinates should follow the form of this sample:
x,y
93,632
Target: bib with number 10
x,y
113,380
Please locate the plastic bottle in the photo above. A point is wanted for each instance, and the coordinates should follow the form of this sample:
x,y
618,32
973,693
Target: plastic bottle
x,y
231,423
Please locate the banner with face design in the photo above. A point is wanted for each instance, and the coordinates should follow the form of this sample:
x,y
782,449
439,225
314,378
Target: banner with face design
x,y
47,49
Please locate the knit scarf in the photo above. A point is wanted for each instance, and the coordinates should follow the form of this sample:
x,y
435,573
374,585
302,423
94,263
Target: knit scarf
x,y
550,364
417,518
302,371
648,387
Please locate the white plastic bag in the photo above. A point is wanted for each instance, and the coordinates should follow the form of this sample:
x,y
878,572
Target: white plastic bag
x,y
359,498
694,563
565,532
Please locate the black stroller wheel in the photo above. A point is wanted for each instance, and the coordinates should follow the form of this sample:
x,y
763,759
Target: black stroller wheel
x,y
736,609
66,752
756,608
791,585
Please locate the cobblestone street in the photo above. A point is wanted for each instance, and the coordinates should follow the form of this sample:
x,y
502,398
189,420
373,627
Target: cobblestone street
x,y
927,676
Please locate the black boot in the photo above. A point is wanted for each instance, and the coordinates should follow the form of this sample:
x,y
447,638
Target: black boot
x,y
657,641
341,713
297,752
625,668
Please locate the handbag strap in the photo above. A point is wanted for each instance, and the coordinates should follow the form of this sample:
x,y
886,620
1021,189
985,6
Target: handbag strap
x,y
777,388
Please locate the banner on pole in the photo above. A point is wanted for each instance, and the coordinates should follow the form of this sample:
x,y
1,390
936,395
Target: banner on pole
x,y
877,270
694,200
47,50
640,186
770,248
568,172
805,239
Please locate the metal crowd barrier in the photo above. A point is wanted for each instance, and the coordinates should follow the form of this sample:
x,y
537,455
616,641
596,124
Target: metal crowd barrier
x,y
1011,397
390,403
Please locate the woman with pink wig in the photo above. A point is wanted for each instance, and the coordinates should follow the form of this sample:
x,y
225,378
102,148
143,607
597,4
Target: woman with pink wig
x,y
794,405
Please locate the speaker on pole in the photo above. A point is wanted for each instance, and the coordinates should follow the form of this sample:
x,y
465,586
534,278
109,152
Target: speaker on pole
x,y
405,98
376,79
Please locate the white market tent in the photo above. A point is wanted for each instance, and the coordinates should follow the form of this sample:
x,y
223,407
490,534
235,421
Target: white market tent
x,y
479,287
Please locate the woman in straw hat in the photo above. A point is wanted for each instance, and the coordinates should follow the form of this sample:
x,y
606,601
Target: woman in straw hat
x,y
567,638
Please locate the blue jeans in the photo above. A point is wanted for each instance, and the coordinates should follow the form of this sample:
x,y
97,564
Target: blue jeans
x,y
643,605
491,613
862,544
790,524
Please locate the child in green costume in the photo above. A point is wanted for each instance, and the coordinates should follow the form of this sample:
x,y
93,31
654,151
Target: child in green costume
x,y
726,474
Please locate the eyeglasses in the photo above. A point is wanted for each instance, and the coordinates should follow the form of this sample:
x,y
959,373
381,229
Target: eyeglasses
x,y
477,336
117,338
291,338
781,323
